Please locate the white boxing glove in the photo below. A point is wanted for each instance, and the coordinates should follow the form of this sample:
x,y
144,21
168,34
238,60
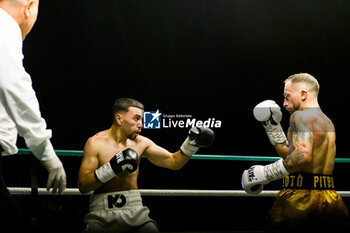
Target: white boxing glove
x,y
255,177
270,114
57,175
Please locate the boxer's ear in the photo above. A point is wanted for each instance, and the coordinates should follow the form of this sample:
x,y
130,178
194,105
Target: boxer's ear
x,y
118,119
304,94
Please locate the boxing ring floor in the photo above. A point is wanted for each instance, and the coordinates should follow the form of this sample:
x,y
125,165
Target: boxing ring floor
x,y
204,196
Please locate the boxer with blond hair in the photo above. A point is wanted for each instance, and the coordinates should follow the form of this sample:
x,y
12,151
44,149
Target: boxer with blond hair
x,y
308,200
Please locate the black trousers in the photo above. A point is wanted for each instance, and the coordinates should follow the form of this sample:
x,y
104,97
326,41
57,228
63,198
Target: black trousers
x,y
11,215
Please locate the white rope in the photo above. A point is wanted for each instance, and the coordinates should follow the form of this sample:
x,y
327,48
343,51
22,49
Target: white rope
x,y
166,192
206,193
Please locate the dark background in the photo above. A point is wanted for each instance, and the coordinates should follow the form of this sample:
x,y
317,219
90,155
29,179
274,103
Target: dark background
x,y
208,58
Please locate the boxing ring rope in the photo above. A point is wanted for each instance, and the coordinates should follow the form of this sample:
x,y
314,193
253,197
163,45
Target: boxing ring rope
x,y
167,192
174,192
195,156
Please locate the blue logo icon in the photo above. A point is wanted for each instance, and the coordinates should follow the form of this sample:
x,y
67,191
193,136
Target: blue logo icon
x,y
151,120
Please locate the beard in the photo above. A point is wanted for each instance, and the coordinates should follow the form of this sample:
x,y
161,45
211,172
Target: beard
x,y
133,136
294,108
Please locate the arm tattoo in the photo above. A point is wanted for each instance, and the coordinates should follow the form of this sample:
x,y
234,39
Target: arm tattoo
x,y
293,160
302,138
285,144
301,132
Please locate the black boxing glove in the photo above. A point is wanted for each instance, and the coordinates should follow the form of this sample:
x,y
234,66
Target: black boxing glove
x,y
124,160
197,137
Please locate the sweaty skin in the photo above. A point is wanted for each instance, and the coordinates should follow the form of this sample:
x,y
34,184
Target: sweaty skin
x,y
311,144
100,148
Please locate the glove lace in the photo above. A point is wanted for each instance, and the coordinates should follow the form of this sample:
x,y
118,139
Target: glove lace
x,y
273,172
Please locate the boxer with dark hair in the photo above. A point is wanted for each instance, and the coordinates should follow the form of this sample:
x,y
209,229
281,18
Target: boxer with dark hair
x,y
110,169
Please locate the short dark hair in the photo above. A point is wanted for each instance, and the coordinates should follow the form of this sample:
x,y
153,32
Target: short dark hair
x,y
123,105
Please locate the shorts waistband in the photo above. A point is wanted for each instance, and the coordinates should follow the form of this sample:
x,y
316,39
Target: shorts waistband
x,y
310,181
115,200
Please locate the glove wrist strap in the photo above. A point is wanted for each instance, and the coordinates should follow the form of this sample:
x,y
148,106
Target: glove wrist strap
x,y
105,173
275,171
275,133
187,148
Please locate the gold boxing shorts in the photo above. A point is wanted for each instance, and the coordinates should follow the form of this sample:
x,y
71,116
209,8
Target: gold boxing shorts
x,y
308,202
